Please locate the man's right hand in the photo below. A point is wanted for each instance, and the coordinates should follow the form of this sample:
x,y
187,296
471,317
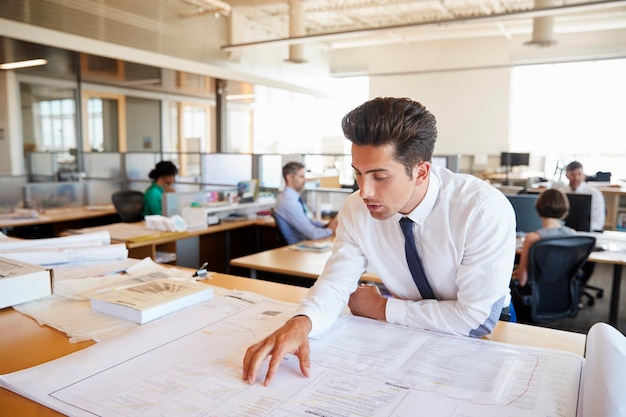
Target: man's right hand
x,y
292,337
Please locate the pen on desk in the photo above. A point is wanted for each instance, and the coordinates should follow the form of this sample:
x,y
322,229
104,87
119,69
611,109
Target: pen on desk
x,y
201,272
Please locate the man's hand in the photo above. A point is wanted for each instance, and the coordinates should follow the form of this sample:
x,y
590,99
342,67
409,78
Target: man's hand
x,y
367,301
292,337
332,224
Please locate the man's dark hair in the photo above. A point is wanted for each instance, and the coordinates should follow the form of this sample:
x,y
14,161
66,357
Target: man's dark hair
x,y
399,121
573,166
291,168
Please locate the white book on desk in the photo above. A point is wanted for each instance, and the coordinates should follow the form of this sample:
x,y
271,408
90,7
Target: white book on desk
x,y
147,301
21,282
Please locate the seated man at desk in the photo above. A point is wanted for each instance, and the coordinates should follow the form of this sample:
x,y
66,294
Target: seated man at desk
x,y
163,177
292,215
443,244
576,177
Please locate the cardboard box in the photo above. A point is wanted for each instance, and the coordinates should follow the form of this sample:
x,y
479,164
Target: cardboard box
x,y
21,282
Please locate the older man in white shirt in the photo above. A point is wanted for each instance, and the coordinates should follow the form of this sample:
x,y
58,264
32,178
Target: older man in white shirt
x,y
576,177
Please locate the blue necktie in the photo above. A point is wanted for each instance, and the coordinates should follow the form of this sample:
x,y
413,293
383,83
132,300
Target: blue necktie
x,y
413,259
304,207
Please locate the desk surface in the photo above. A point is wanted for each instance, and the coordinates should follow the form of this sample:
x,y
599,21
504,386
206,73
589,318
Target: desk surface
x,y
56,215
24,347
137,235
288,261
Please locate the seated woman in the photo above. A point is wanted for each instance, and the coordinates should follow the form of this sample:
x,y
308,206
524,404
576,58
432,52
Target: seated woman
x,y
163,176
552,207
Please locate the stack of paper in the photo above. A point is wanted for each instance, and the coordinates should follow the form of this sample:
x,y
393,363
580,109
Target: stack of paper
x,y
60,250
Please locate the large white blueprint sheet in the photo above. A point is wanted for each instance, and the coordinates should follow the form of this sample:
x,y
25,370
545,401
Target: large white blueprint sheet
x,y
361,368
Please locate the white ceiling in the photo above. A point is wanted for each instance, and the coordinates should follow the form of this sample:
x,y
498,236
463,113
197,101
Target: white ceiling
x,y
341,24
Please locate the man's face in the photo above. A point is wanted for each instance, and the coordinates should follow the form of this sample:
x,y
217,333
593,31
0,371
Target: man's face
x,y
297,180
384,186
575,177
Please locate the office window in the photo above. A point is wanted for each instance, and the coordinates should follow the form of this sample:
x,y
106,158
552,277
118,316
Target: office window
x,y
56,124
571,111
266,120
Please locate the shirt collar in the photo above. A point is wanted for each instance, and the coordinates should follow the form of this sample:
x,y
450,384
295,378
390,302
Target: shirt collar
x,y
423,209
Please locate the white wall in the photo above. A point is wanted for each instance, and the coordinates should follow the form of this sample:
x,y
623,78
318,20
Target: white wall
x,y
471,107
465,83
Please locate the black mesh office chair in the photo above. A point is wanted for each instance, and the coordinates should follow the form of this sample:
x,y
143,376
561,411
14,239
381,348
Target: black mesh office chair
x,y
129,205
552,290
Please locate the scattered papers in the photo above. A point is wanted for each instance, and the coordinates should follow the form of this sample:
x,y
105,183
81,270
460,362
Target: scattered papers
x,y
190,363
62,250
173,223
69,310
20,214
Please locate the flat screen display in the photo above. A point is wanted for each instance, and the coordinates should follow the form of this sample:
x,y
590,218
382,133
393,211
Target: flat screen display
x,y
526,216
510,159
579,217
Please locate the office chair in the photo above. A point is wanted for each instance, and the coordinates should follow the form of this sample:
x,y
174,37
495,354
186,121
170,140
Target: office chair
x,y
280,237
552,290
129,205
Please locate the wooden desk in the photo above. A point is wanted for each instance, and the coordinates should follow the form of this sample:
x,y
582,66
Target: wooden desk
x,y
29,344
617,259
285,260
60,219
216,244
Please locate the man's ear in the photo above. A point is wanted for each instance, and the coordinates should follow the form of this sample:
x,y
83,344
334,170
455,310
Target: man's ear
x,y
420,172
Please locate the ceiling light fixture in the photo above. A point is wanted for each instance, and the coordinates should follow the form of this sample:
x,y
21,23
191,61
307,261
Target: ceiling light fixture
x,y
23,64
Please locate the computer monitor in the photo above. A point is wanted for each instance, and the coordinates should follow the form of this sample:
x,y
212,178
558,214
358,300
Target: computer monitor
x,y
579,217
525,214
511,159
247,191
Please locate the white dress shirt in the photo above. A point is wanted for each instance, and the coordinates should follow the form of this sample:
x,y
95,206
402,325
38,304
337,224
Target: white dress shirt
x,y
465,234
598,208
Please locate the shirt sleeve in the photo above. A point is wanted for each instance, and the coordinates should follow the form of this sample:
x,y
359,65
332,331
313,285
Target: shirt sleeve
x,y
598,210
329,295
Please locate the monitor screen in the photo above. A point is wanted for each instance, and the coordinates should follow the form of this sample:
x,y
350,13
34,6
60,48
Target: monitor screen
x,y
579,217
510,159
247,191
526,216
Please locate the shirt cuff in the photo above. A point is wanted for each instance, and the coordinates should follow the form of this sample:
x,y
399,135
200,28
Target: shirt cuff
x,y
395,311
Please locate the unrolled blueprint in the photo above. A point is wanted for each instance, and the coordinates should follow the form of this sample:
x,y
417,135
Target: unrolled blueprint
x,y
190,365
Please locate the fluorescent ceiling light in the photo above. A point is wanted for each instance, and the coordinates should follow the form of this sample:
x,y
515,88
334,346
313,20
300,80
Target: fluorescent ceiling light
x,y
239,96
23,64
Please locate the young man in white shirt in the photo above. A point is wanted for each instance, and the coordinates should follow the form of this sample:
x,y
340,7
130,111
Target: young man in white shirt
x,y
464,231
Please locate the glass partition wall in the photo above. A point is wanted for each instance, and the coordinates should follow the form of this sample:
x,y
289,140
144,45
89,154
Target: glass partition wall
x,y
107,122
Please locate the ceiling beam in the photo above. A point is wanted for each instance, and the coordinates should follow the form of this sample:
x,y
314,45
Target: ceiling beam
x,y
496,17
